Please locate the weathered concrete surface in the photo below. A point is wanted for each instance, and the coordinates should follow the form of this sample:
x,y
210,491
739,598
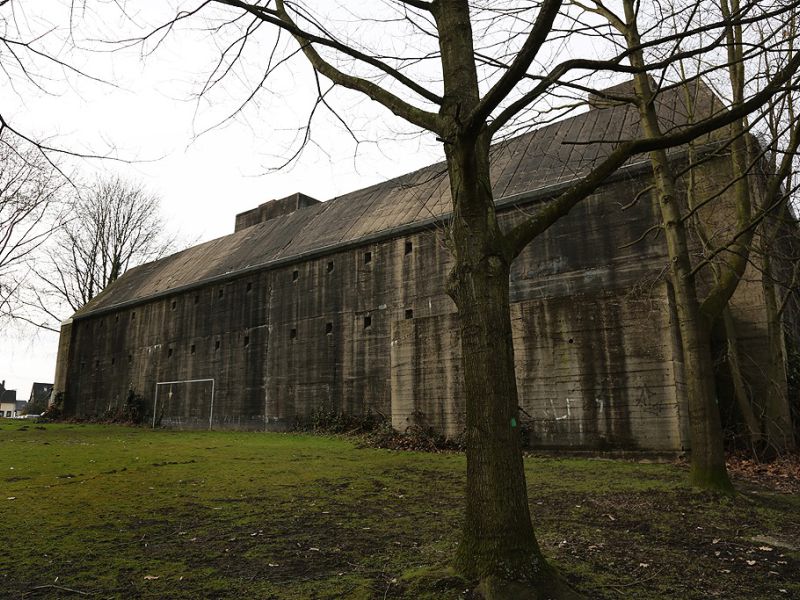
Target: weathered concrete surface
x,y
342,306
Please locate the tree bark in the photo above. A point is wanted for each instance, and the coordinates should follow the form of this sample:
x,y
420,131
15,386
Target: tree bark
x,y
498,545
743,401
707,450
778,429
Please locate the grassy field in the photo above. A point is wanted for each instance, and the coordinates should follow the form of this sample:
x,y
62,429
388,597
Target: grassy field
x,y
115,512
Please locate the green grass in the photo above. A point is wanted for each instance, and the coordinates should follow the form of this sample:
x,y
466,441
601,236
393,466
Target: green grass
x,y
125,512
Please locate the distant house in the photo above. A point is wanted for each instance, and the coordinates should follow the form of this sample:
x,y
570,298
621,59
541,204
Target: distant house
x,y
8,401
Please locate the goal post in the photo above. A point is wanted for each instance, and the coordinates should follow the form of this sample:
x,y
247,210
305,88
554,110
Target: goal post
x,y
180,388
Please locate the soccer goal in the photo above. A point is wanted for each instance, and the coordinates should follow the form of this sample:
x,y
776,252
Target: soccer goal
x,y
185,403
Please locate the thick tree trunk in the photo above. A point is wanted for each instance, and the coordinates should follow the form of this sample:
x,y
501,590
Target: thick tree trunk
x,y
498,538
498,545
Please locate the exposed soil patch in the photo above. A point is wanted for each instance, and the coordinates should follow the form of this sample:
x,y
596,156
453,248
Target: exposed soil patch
x,y
782,474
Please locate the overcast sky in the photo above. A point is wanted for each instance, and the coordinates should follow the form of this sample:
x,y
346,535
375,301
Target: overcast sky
x,y
150,118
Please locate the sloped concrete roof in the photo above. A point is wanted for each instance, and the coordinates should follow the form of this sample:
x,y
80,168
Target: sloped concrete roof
x,y
556,153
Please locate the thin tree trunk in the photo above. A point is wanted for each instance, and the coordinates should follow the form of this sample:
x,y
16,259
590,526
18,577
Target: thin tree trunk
x,y
743,401
777,415
707,450
707,456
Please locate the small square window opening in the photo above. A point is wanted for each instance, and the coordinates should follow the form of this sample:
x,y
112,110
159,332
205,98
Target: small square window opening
x,y
409,313
328,328
367,257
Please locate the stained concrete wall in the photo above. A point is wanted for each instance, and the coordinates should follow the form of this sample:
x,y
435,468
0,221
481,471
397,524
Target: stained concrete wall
x,y
370,328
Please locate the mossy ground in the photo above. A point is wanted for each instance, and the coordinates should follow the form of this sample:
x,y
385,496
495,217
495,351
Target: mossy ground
x,y
121,512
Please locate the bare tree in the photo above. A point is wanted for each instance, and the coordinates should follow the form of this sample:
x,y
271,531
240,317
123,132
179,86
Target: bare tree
x,y
696,312
30,210
469,72
114,225
31,62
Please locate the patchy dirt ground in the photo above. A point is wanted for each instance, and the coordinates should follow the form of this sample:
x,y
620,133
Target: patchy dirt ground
x,y
114,512
782,474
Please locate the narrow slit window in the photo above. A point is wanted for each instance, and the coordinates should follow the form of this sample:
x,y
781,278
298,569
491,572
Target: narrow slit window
x,y
113,361
174,304
293,334
133,316
328,328
409,313
367,322
367,257
220,293
130,358
193,349
295,275
216,345
246,341
409,247
330,267
197,299
169,353
249,286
